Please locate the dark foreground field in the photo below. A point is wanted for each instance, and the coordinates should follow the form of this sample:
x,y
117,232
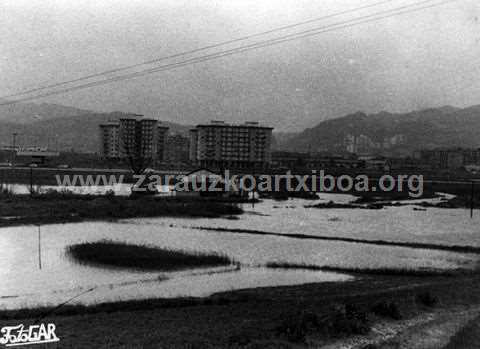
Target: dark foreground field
x,y
313,315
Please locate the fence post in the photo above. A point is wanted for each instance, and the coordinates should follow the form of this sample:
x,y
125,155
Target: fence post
x,y
472,192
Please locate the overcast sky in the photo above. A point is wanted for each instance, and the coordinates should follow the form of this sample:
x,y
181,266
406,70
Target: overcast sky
x,y
425,59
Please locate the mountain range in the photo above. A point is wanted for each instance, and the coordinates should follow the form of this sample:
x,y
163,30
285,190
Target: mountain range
x,y
393,134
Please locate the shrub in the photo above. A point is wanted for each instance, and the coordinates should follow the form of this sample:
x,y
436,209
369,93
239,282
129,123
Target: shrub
x,y
427,299
295,327
348,320
385,309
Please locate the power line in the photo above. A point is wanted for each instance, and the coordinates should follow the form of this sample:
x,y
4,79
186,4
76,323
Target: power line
x,y
295,36
240,49
185,53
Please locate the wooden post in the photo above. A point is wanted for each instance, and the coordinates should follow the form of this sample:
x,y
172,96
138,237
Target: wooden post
x,y
472,193
31,182
253,189
39,249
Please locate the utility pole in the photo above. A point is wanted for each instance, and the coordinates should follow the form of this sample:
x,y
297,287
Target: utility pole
x,y
472,193
31,181
39,249
14,152
254,184
14,145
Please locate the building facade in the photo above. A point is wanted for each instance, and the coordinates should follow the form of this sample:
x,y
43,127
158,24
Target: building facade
x,y
449,158
177,149
162,132
294,161
147,137
133,137
222,145
110,142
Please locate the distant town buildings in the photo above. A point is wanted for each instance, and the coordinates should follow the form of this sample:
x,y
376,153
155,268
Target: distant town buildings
x,y
133,137
290,161
363,144
222,145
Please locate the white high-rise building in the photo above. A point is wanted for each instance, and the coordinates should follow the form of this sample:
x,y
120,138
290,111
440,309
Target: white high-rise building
x,y
110,143
222,145
133,136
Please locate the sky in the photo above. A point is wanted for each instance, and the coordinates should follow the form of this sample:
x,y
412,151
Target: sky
x,y
424,59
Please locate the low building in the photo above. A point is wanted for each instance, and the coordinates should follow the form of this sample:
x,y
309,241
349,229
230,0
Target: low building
x,y
291,160
33,155
377,164
407,163
203,182
449,158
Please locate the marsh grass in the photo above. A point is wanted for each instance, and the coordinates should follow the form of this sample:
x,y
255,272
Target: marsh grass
x,y
142,257
368,271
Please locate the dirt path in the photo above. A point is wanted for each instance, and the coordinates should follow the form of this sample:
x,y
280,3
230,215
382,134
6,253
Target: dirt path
x,y
431,330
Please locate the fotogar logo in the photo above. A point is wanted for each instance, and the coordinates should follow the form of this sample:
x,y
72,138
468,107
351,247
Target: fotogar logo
x,y
27,335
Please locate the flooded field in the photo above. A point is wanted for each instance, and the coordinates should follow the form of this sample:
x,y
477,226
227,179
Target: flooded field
x,y
61,278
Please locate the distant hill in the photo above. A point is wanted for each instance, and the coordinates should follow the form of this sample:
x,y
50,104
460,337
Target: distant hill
x,y
392,134
25,113
382,133
54,125
281,139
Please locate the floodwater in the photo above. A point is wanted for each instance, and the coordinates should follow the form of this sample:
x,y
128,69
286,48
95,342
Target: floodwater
x,y
120,189
24,284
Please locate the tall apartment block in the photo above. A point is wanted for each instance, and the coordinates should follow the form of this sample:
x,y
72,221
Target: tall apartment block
x,y
146,138
177,149
222,145
162,133
110,143
133,136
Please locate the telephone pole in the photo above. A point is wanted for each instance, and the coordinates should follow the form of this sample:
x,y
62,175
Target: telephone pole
x,y
472,195
14,145
39,249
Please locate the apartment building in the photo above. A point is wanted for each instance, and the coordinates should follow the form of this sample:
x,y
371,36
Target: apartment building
x,y
133,136
110,142
177,149
222,145
146,138
162,133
